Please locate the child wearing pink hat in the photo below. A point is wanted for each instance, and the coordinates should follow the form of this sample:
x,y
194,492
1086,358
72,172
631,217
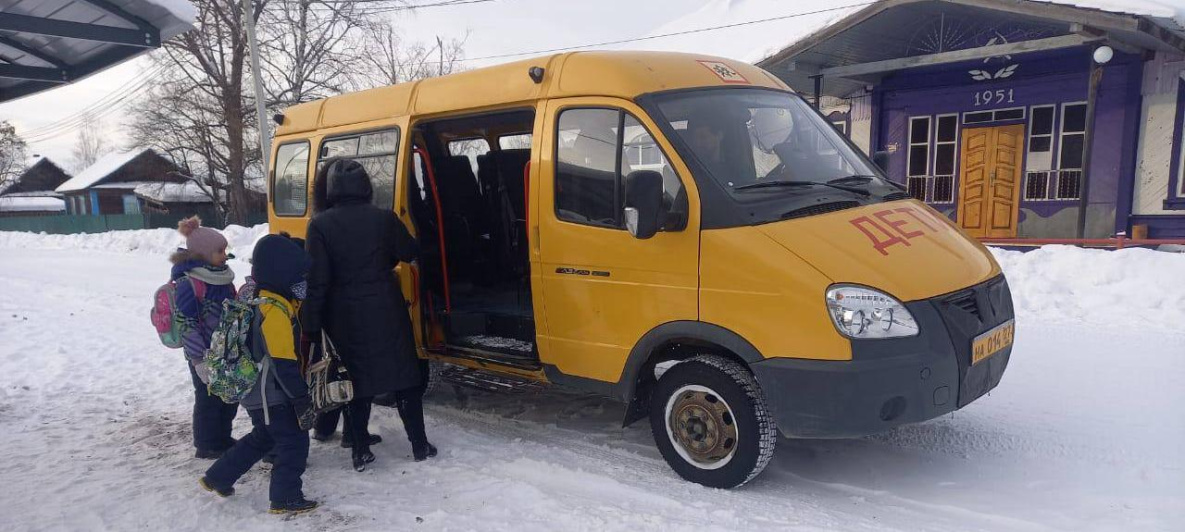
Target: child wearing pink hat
x,y
203,283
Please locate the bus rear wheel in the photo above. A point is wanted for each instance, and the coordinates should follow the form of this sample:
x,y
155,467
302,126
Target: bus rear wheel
x,y
711,423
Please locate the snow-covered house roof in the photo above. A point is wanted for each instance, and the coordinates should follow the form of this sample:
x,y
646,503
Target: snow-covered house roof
x,y
188,192
31,204
54,42
40,175
108,166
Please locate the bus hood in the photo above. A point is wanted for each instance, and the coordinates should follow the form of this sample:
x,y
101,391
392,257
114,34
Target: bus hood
x,y
903,248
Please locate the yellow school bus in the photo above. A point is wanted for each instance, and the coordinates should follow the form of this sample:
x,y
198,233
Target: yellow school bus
x,y
682,233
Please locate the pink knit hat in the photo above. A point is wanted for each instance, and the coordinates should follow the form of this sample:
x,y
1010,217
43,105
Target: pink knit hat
x,y
199,240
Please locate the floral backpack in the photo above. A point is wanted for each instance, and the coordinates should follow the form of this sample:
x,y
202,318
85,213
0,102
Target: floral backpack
x,y
234,365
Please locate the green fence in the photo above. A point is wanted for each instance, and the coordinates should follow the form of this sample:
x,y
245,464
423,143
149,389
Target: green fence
x,y
70,224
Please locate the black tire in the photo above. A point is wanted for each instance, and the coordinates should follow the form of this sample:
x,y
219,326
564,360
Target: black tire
x,y
730,387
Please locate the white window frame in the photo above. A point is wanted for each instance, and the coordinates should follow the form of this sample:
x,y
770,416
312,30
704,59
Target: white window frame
x,y
1061,136
1180,152
1053,134
1061,132
910,144
1022,109
934,159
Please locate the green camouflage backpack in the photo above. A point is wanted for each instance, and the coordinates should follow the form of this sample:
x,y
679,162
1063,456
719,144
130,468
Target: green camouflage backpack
x,y
234,366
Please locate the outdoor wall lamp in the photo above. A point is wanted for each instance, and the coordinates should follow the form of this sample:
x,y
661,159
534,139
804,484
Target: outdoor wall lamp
x,y
1103,54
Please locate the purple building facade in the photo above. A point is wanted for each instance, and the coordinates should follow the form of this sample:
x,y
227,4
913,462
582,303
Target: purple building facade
x,y
981,109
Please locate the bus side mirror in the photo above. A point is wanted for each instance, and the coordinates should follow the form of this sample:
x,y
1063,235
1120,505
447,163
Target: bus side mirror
x,y
643,203
881,160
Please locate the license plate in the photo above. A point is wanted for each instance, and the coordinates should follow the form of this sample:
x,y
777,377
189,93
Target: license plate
x,y
993,341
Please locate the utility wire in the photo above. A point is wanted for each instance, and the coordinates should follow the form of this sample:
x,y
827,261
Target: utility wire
x,y
135,84
47,132
109,106
663,35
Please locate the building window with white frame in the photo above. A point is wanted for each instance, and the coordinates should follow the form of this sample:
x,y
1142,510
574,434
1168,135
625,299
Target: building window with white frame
x,y
917,157
1071,144
946,141
1039,157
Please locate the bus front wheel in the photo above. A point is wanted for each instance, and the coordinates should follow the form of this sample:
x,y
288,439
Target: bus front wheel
x,y
711,423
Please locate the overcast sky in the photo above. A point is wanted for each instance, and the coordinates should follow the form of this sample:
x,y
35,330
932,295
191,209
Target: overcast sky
x,y
497,27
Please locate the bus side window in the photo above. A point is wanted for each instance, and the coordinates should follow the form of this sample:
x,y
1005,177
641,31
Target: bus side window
x,y
290,189
586,176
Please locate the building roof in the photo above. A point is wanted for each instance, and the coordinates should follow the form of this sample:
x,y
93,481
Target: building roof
x,y
877,34
34,194
102,169
31,204
47,43
188,192
616,74
41,175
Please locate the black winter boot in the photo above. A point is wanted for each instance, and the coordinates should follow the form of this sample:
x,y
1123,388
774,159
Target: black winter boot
x,y
411,411
423,452
222,492
361,457
295,506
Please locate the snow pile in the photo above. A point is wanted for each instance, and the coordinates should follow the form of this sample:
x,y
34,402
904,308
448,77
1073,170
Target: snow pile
x,y
149,241
1137,288
1082,434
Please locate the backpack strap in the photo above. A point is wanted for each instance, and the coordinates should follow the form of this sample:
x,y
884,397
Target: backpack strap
x,y
199,288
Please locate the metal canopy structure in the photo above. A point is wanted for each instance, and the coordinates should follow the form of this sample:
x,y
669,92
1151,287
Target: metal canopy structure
x,y
48,43
893,35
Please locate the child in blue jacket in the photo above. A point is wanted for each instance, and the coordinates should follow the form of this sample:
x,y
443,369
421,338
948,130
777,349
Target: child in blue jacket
x,y
279,404
203,282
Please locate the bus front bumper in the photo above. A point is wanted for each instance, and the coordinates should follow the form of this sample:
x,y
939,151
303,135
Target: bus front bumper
x,y
897,381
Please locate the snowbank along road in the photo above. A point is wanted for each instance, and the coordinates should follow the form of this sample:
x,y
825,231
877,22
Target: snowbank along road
x,y
1084,433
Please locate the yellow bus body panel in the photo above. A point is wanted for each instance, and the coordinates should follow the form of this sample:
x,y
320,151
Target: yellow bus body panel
x,y
768,282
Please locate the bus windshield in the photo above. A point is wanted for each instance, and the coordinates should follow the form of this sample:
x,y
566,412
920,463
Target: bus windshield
x,y
747,139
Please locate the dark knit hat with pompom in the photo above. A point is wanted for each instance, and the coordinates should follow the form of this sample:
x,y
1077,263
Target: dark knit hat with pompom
x,y
201,241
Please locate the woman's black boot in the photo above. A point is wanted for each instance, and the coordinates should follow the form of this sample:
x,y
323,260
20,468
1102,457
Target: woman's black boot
x,y
362,456
411,411
423,452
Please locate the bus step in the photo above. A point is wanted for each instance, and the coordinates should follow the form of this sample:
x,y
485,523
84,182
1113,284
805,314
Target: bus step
x,y
490,382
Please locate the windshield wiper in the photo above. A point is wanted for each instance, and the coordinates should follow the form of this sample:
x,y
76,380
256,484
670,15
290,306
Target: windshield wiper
x,y
861,179
784,183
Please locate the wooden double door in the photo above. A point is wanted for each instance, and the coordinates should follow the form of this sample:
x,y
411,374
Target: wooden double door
x,y
989,190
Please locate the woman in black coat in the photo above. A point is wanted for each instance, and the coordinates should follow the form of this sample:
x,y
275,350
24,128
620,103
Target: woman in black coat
x,y
355,297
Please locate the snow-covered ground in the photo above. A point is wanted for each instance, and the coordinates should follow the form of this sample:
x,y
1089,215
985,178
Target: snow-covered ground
x,y
1086,431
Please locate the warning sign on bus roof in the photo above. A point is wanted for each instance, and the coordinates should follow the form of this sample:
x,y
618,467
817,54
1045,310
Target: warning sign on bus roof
x,y
726,73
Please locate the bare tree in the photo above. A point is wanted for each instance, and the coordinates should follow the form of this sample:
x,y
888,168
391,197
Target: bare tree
x,y
391,60
90,144
201,110
311,48
12,155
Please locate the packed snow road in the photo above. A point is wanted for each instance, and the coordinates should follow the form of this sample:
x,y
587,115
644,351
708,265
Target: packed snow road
x,y
1084,433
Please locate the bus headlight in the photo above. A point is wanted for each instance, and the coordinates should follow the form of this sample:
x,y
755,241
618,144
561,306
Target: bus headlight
x,y
864,313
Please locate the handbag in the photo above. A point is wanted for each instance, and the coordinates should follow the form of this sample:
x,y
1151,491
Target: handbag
x,y
329,382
